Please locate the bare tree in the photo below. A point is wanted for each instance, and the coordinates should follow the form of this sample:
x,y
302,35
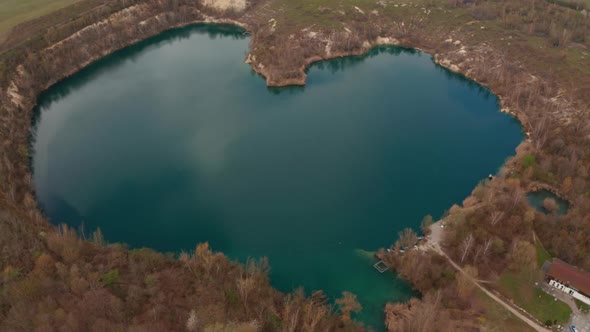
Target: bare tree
x,y
293,321
245,285
348,304
478,252
314,310
496,216
396,314
516,196
486,247
564,37
407,237
466,246
192,321
423,315
291,310
429,314
539,132
204,255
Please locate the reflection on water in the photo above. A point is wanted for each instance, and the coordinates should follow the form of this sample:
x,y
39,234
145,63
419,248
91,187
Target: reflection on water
x,y
537,200
174,141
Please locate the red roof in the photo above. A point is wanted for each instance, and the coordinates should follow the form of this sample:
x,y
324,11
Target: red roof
x,y
570,275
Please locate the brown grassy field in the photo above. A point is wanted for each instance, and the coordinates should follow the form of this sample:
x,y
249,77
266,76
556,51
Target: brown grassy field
x,y
18,11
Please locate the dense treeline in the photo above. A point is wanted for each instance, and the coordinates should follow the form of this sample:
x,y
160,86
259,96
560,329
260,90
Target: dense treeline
x,y
70,284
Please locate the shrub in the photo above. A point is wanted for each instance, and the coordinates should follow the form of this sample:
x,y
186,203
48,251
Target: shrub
x,y
231,297
550,205
45,265
110,278
528,160
9,273
64,242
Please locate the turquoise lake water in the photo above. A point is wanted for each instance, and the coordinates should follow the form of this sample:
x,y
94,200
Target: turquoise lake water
x,y
175,141
536,199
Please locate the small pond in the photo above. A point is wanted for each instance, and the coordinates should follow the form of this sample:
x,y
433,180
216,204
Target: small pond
x,y
537,198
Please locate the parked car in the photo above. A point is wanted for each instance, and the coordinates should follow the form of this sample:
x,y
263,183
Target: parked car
x,y
573,328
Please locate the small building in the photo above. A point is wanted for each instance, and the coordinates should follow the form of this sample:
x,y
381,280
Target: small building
x,y
568,279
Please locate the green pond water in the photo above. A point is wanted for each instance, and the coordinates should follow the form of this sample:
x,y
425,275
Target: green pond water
x,y
536,199
175,141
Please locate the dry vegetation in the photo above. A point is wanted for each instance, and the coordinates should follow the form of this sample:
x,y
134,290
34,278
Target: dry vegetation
x,y
69,284
450,301
533,53
18,11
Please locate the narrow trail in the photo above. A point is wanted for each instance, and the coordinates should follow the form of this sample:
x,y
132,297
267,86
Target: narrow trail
x,y
434,243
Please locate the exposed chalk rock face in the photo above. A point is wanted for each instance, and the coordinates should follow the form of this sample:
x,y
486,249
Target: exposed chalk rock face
x,y
237,5
387,41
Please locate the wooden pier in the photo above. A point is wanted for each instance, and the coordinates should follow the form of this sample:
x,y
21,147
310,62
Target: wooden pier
x,y
381,266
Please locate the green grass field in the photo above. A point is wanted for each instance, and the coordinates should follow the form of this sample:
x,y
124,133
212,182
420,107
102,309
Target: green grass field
x,y
497,318
585,308
541,305
17,11
542,254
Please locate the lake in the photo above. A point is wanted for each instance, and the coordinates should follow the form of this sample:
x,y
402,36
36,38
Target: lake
x,y
175,141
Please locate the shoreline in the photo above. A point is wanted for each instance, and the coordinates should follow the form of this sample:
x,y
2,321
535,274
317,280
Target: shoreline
x,y
24,84
302,81
262,71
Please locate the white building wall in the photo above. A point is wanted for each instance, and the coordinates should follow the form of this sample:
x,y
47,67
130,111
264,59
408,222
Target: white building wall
x,y
569,291
582,298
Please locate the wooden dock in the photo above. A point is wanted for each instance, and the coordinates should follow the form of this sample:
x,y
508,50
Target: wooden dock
x,y
381,266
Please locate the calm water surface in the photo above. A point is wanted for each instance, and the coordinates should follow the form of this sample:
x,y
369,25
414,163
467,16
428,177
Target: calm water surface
x,y
536,199
175,141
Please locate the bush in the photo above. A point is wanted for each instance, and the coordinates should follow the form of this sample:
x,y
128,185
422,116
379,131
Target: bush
x,y
231,297
110,278
65,242
529,160
550,205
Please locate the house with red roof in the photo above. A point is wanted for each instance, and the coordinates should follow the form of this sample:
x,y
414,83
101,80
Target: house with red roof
x,y
569,279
